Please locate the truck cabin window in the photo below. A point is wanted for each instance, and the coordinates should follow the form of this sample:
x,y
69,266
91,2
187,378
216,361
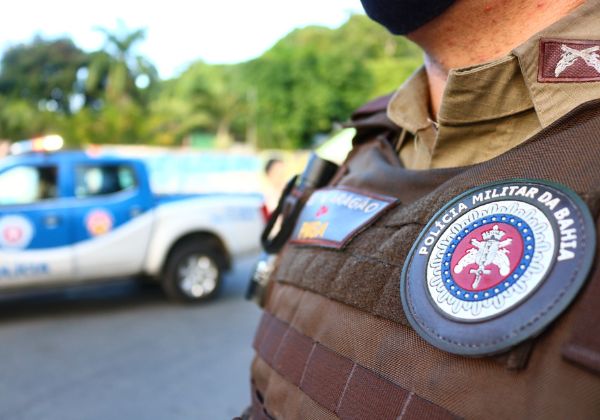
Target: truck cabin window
x,y
93,181
28,184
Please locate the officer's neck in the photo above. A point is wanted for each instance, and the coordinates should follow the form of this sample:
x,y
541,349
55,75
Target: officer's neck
x,y
473,32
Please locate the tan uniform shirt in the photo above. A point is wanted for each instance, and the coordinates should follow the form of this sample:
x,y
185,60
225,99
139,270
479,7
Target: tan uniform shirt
x,y
488,109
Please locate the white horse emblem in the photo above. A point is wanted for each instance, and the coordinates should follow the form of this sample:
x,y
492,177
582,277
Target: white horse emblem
x,y
485,253
571,55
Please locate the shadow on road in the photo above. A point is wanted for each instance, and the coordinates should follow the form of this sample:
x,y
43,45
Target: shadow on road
x,y
109,296
121,350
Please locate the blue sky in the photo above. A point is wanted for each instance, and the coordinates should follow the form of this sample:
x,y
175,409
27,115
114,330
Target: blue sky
x,y
178,31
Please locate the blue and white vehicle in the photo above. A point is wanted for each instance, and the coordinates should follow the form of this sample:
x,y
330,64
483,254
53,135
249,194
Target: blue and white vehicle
x,y
71,217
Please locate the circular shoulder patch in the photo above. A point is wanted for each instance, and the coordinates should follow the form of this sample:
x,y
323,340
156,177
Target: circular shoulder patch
x,y
496,265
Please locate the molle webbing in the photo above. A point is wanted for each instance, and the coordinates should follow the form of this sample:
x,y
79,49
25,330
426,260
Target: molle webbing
x,y
470,388
335,382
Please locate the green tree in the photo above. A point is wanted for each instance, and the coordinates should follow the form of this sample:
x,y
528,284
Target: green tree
x,y
316,76
303,84
43,73
206,98
297,90
388,59
117,72
116,103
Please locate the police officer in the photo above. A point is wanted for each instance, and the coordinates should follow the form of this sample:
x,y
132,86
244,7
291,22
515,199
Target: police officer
x,y
449,269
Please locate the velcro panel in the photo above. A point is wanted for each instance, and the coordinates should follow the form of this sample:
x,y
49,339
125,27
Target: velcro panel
x,y
395,248
293,264
365,274
322,271
417,212
371,240
361,280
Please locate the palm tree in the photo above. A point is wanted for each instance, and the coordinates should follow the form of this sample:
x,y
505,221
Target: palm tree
x,y
117,69
212,101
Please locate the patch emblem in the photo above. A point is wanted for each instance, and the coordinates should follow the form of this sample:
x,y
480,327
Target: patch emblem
x,y
564,60
333,216
496,265
16,232
98,222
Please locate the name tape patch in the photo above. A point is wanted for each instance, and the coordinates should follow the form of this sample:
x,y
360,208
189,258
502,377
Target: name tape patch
x,y
496,265
333,216
564,60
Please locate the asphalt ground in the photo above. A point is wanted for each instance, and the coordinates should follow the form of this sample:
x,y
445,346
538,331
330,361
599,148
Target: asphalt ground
x,y
121,351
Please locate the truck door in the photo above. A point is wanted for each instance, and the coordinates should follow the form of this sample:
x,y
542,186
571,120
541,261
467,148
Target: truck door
x,y
34,231
111,219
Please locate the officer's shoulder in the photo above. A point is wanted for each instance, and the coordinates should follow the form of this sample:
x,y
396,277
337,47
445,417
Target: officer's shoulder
x,y
371,120
374,106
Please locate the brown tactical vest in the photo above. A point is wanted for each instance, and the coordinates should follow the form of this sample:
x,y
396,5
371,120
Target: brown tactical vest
x,y
334,341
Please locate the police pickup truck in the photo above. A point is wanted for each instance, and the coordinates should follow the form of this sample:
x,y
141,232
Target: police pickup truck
x,y
71,217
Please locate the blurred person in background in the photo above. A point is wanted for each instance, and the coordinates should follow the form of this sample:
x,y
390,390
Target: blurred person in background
x,y
450,270
4,148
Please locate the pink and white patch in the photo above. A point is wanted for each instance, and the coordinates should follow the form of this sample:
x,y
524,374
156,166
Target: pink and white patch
x,y
16,232
473,276
489,260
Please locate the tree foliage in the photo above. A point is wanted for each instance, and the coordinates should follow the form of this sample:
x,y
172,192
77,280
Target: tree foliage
x,y
42,73
316,76
308,81
207,98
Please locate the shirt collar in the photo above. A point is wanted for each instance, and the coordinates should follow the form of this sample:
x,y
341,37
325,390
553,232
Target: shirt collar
x,y
485,92
409,107
467,97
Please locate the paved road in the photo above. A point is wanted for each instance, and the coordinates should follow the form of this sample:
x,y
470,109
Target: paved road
x,y
122,351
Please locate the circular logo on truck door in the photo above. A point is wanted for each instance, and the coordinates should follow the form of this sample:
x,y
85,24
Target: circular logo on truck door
x,y
16,232
496,265
98,222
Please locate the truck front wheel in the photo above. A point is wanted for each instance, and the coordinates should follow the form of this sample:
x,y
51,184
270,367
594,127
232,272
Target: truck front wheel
x,y
193,272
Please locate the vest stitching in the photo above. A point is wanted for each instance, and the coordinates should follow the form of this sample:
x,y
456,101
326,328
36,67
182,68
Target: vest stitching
x,y
339,404
314,346
405,406
287,331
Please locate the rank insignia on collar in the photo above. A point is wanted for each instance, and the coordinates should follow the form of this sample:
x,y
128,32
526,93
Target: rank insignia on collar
x,y
496,265
568,60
